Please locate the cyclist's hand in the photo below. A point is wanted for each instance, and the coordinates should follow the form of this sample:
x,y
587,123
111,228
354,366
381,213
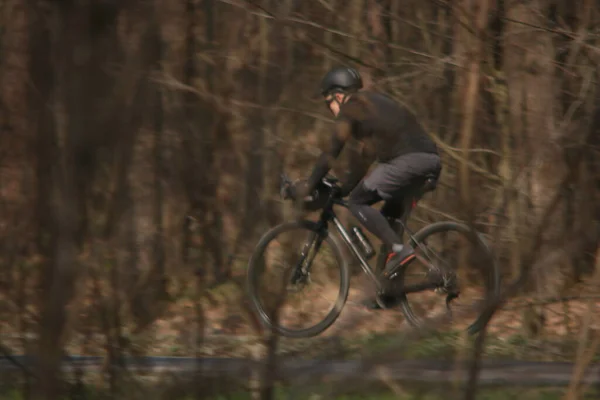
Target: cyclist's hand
x,y
299,191
288,190
285,190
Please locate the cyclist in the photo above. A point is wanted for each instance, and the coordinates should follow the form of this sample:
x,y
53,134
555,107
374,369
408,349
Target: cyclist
x,y
385,132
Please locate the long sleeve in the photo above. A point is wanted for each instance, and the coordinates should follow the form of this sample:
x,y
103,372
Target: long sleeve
x,y
358,166
342,131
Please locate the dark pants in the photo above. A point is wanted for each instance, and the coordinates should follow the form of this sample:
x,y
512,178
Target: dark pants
x,y
389,182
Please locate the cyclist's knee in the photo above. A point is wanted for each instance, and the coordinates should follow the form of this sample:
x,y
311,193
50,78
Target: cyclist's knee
x,y
354,205
361,196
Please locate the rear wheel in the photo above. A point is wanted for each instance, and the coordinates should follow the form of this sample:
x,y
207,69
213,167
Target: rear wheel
x,y
292,259
445,248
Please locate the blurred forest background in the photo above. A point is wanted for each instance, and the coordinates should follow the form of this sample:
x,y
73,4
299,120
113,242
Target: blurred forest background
x,y
142,142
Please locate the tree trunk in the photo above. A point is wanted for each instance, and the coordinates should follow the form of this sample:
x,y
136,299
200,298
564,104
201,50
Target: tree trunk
x,y
530,72
469,53
59,133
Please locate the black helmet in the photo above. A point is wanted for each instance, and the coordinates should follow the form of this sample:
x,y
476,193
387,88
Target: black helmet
x,y
343,79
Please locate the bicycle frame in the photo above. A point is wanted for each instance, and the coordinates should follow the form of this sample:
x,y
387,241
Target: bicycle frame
x,y
396,286
329,215
348,240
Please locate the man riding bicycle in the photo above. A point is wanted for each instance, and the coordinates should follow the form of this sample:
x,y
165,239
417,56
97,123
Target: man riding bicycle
x,y
387,133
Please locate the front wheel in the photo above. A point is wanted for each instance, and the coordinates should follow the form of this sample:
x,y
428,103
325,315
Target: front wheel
x,y
297,258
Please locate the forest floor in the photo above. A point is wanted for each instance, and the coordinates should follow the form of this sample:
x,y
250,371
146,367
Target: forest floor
x,y
358,326
229,330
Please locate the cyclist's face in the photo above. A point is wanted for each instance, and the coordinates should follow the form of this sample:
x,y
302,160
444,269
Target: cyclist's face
x,y
334,106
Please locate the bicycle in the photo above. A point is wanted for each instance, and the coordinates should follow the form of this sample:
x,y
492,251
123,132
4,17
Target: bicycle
x,y
438,279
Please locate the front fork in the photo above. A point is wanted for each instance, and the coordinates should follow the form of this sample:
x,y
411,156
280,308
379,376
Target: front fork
x,y
309,251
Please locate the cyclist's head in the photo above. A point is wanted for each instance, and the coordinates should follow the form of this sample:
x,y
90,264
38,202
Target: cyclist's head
x,y
338,84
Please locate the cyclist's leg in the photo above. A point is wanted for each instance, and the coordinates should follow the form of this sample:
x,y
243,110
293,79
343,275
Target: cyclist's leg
x,y
359,203
393,209
391,181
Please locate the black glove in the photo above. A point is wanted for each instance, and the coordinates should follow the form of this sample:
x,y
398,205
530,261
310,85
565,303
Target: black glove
x,y
300,191
297,190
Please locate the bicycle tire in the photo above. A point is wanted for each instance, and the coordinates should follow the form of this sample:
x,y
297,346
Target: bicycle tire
x,y
252,280
492,292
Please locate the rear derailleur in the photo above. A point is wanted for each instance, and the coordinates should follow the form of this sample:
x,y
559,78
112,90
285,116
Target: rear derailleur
x,y
448,284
